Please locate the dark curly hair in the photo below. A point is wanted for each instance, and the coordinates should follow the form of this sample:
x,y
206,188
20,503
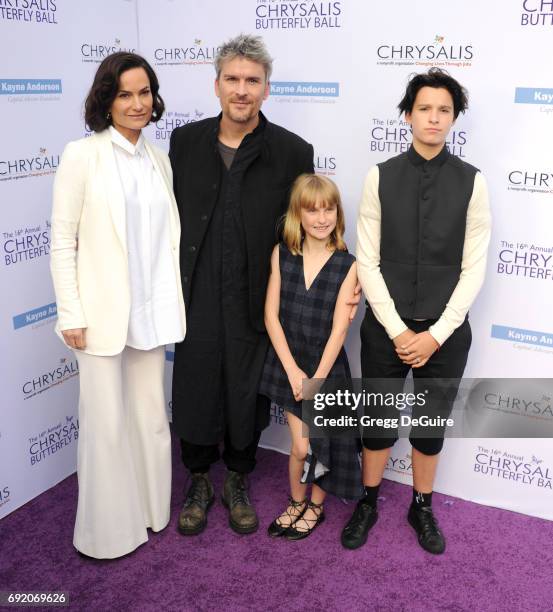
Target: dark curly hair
x,y
106,85
435,77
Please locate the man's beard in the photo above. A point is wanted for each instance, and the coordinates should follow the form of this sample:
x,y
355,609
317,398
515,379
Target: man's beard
x,y
241,116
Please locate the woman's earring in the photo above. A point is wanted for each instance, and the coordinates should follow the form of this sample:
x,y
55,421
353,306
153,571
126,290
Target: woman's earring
x,y
108,116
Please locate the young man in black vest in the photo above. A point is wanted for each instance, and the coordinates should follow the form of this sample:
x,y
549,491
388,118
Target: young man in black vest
x,y
423,234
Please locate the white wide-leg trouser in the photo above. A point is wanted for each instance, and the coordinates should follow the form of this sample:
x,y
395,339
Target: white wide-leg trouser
x,y
124,452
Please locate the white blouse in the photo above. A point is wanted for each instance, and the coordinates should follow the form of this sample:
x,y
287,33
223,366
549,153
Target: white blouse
x,y
155,317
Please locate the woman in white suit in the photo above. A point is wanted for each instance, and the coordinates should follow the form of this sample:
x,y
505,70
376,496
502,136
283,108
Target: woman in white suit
x,y
115,267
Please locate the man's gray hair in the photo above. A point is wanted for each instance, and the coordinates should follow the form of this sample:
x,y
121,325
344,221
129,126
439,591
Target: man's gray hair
x,y
245,45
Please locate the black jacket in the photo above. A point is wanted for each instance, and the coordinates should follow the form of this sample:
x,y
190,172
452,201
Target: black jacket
x,y
264,197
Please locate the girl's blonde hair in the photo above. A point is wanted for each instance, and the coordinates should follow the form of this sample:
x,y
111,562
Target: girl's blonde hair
x,y
306,190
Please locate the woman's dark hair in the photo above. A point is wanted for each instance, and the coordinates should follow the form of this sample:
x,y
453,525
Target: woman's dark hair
x,y
106,85
436,78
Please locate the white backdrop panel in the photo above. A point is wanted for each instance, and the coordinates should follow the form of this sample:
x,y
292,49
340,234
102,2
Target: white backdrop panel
x,y
359,55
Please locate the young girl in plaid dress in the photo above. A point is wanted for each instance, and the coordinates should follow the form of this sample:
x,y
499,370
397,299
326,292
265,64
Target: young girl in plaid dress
x,y
307,315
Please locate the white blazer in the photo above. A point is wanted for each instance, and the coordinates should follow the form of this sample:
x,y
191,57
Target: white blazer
x,y
89,257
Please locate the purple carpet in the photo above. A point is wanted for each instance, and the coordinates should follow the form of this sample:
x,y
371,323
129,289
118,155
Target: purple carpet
x,y
495,560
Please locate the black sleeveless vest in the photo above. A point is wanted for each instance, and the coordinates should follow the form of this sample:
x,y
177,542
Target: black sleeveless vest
x,y
424,208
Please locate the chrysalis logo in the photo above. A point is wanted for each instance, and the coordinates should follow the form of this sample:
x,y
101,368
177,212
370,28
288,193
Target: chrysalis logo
x,y
4,496
531,181
195,54
96,52
325,165
29,11
24,244
172,120
278,415
401,465
496,463
46,380
537,13
38,164
297,15
54,439
436,51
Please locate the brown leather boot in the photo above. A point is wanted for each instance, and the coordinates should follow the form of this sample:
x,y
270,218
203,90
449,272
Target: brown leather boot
x,y
200,496
243,518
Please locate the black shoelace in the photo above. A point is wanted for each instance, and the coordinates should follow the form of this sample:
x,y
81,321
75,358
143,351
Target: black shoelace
x,y
239,494
429,525
197,493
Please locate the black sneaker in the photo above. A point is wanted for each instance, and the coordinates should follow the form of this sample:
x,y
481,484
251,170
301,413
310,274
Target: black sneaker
x,y
356,531
425,524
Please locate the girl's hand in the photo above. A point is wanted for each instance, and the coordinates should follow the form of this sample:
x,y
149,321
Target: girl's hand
x,y
75,338
296,378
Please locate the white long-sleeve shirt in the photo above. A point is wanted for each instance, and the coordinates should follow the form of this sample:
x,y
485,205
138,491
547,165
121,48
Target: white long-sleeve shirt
x,y
154,317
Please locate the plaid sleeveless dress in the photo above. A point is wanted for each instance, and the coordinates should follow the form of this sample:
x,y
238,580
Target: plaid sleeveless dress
x,y
306,317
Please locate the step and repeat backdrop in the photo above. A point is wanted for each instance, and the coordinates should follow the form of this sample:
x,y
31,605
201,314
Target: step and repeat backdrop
x,y
340,70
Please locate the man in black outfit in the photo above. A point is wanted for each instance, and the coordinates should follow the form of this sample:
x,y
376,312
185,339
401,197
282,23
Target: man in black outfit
x,y
423,234
232,176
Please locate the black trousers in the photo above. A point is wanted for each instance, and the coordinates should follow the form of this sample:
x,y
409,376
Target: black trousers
x,y
440,376
198,457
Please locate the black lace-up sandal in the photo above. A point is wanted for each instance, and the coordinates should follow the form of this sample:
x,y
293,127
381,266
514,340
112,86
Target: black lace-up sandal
x,y
306,525
294,511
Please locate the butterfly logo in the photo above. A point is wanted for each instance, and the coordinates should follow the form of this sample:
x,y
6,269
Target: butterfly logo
x,y
198,114
63,360
536,460
68,419
198,41
117,41
42,151
439,39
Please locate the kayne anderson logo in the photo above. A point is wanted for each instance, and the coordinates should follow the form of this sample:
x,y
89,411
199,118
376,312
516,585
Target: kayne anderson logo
x,y
498,463
537,13
44,381
325,164
92,52
525,259
305,92
394,136
173,119
37,11
5,496
530,181
53,439
532,95
437,53
535,95
35,316
294,15
26,243
13,87
538,341
196,54
30,90
40,164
